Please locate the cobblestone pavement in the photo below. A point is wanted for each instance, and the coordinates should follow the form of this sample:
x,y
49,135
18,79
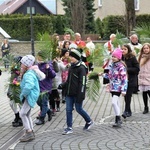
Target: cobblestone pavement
x,y
134,134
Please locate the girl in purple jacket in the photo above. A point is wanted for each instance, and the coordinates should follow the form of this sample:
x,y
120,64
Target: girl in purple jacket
x,y
45,88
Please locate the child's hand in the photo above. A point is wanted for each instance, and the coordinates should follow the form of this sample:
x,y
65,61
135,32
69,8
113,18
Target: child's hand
x,y
47,66
68,65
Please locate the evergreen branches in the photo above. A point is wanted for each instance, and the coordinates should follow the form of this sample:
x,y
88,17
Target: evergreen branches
x,y
48,46
93,86
143,30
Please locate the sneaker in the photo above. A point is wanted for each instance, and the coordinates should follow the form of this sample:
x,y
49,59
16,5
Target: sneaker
x,y
88,125
40,122
28,137
67,131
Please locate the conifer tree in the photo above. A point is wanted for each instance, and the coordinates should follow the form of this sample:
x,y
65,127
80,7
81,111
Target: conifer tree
x,y
79,15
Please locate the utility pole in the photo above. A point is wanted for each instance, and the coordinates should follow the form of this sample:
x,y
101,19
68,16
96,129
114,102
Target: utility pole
x,y
31,25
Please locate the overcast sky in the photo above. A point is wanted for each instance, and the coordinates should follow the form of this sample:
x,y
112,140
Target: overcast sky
x,y
50,4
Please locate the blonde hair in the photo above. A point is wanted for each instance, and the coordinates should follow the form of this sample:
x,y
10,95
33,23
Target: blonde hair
x,y
142,52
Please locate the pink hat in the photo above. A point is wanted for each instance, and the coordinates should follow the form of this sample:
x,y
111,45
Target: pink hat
x,y
117,53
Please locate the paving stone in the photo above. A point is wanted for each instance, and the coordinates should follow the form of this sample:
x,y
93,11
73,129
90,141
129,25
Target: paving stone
x,y
134,134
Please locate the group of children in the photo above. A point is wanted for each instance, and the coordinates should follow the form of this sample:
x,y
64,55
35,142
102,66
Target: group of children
x,y
34,88
40,83
46,82
30,84
122,75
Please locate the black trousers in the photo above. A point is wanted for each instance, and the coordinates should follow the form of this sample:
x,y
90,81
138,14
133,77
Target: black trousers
x,y
91,67
145,98
106,81
127,99
54,97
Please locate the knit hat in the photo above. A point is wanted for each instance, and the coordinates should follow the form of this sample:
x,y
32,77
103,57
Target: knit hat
x,y
73,46
117,53
75,53
28,60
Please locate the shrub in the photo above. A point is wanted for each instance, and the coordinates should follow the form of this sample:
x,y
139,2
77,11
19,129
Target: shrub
x,y
112,24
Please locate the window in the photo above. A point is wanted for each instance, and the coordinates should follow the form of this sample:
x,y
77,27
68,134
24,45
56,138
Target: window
x,y
33,10
99,3
136,4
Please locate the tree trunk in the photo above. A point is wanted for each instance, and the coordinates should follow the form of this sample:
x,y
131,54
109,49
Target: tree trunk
x,y
130,16
78,15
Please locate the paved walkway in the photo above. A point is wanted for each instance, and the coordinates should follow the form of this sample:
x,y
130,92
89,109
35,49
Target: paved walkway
x,y
134,134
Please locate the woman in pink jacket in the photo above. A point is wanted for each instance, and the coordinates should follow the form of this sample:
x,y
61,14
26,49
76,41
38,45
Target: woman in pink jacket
x,y
144,74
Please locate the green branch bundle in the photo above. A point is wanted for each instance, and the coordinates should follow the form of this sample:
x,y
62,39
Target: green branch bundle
x,y
93,86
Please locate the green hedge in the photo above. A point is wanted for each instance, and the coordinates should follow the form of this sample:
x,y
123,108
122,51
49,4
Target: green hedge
x,y
112,24
18,26
142,19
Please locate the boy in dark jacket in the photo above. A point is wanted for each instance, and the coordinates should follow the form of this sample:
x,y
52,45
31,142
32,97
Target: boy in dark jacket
x,y
75,91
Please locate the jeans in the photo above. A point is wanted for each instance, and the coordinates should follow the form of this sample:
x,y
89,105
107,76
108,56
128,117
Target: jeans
x,y
70,102
43,103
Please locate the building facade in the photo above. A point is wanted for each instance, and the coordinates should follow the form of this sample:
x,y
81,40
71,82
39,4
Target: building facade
x,y
111,7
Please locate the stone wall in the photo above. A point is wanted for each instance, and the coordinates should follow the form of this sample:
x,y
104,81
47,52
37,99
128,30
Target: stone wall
x,y
20,48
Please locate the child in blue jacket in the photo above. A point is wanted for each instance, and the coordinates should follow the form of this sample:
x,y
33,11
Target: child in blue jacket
x,y
30,92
